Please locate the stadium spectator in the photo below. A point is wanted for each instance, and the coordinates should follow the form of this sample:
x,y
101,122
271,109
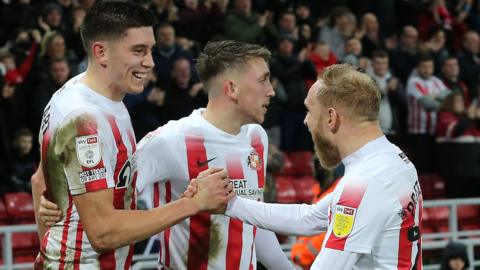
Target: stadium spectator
x,y
458,147
455,257
59,73
393,100
292,70
354,55
370,35
166,51
243,24
425,93
469,59
183,93
200,20
404,57
451,79
436,47
23,161
337,30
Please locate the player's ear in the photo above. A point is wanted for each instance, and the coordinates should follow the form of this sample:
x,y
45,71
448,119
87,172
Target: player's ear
x,y
333,120
99,52
230,89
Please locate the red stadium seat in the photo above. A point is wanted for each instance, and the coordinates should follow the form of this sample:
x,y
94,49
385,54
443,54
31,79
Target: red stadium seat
x,y
288,168
302,162
285,189
304,189
3,213
20,207
25,244
468,217
433,186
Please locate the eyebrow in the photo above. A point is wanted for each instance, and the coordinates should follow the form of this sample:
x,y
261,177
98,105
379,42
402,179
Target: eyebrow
x,y
265,75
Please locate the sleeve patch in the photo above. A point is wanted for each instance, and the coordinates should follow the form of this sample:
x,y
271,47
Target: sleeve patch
x,y
88,150
343,221
92,175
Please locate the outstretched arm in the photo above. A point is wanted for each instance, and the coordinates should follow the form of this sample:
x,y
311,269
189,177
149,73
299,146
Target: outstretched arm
x,y
294,219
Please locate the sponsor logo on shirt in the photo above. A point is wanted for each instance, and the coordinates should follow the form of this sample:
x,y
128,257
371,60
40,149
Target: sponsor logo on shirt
x,y
254,161
241,189
343,220
92,175
88,150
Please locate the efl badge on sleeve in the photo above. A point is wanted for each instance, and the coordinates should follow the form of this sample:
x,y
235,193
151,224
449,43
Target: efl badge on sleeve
x,y
88,150
343,220
254,161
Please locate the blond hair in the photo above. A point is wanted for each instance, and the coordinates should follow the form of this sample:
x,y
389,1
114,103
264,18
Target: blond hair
x,y
350,89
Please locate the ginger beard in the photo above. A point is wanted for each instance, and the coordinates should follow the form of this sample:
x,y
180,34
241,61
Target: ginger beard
x,y
327,153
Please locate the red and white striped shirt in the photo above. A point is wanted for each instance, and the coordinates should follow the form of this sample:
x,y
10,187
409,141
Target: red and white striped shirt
x,y
170,157
87,144
374,212
420,120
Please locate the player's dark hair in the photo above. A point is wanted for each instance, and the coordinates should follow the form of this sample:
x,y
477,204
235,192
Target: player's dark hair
x,y
220,56
109,20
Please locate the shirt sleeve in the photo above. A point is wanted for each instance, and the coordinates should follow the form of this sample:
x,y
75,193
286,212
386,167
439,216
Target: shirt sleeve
x,y
360,215
335,260
155,160
269,252
295,219
83,145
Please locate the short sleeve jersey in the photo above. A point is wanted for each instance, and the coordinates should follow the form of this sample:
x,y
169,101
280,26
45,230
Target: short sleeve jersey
x,y
87,144
170,157
376,209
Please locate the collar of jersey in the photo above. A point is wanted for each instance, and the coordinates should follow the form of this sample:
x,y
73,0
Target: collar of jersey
x,y
376,145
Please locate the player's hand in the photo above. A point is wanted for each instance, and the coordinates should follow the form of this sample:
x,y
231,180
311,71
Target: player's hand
x,y
48,212
191,189
213,191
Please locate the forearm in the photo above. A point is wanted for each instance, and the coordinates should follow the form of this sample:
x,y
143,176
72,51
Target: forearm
x,y
269,251
38,186
294,219
124,227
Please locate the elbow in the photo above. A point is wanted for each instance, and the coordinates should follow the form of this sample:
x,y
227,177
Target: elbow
x,y
101,241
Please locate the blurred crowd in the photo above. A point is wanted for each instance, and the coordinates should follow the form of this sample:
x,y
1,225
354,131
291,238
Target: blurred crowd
x,y
423,54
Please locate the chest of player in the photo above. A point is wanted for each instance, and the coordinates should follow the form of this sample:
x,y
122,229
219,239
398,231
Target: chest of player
x,y
243,161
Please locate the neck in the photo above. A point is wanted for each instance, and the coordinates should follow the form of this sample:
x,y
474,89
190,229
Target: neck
x,y
221,115
355,137
98,81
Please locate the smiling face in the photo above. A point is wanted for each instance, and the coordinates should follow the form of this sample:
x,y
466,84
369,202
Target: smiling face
x,y
129,60
254,90
317,120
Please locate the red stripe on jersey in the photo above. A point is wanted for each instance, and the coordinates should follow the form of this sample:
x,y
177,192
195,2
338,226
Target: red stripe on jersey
x,y
199,240
405,245
85,128
39,261
45,145
133,204
66,225
107,260
166,234
235,227
352,195
234,167
128,261
421,88
122,157
234,245
251,252
419,262
78,246
258,146
156,195
428,125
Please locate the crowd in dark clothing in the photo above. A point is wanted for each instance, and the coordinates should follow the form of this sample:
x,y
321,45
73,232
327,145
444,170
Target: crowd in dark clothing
x,y
418,51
